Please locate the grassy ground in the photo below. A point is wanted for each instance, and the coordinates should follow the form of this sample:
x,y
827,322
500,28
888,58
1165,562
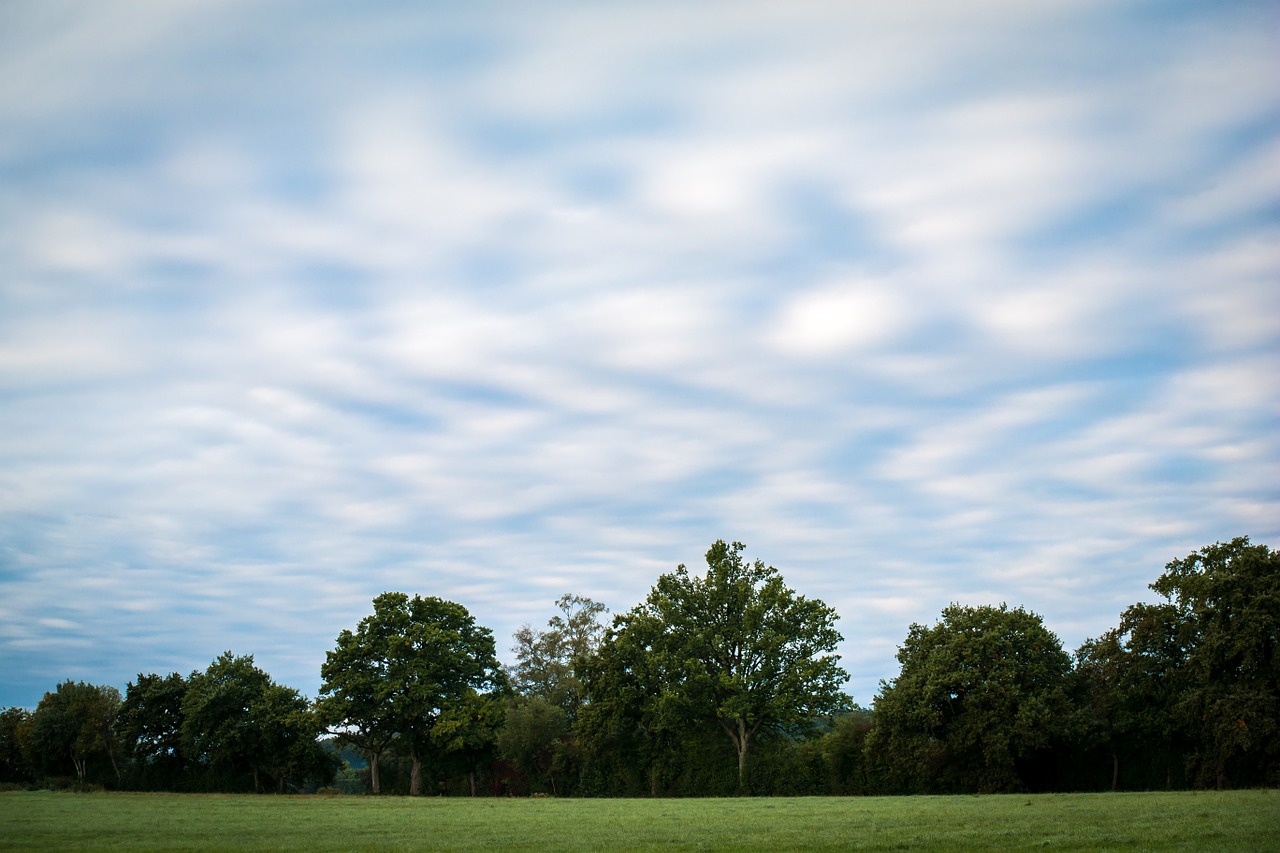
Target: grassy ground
x,y
1200,821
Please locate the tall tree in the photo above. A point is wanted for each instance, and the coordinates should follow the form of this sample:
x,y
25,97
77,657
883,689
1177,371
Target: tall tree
x,y
14,766
630,720
237,721
1129,681
740,649
978,693
548,662
72,724
537,733
1229,596
288,739
150,727
355,698
219,731
405,665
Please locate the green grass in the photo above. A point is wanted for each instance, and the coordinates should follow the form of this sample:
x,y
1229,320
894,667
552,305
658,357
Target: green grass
x,y
1199,821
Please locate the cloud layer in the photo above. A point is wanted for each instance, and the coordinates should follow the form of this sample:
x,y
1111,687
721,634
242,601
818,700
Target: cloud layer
x,y
937,303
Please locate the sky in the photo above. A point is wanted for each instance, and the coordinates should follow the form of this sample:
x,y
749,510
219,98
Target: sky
x,y
924,302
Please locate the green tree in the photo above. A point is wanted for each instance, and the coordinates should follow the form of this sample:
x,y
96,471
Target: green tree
x,y
549,673
1101,670
405,665
738,648
149,727
72,724
287,744
238,722
1228,596
843,752
467,730
548,662
529,734
13,765
978,693
355,698
629,723
1129,681
219,731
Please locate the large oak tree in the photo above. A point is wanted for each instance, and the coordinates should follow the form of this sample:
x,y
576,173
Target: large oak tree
x,y
236,720
1227,595
979,693
402,669
735,647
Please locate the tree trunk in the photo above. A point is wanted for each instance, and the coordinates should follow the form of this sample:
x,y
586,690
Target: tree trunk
x,y
1115,770
471,777
79,765
257,784
415,775
375,782
740,735
280,788
742,762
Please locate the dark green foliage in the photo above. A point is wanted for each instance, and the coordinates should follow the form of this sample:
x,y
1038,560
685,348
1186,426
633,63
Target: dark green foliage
x,y
531,738
403,668
219,734
842,754
735,649
239,726
14,767
1187,691
150,727
466,732
548,677
626,728
72,731
354,700
1127,686
980,693
1181,693
1226,597
288,746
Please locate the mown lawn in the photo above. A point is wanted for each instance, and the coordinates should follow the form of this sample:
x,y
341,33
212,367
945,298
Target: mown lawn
x,y
1199,821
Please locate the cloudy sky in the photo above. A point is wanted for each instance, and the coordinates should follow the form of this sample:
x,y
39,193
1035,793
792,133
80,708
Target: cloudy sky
x,y
924,302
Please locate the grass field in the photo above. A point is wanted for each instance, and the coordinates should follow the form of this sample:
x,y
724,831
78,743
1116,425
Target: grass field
x,y
1199,821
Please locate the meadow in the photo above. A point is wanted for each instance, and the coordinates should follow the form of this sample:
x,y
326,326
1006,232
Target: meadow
x,y
1199,821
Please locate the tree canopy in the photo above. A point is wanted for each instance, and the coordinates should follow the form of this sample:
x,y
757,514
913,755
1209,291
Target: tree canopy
x,y
72,724
979,692
1225,599
548,661
236,720
403,667
736,647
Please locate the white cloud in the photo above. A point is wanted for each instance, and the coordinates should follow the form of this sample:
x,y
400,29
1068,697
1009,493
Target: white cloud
x,y
925,303
839,318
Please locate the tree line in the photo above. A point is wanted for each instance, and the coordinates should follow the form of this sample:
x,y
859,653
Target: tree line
x,y
719,683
